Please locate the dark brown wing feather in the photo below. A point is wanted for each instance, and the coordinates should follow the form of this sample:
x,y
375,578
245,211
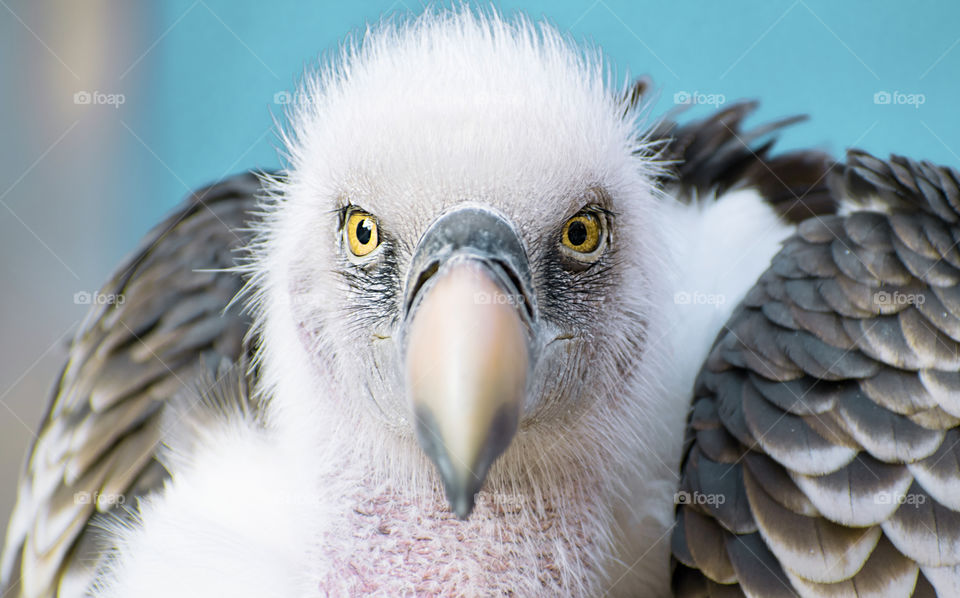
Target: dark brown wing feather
x,y
823,454
97,445
717,154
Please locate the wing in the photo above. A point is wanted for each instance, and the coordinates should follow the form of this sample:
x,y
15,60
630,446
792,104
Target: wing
x,y
709,157
823,448
158,326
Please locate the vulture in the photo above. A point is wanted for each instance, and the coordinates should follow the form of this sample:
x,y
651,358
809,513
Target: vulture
x,y
492,331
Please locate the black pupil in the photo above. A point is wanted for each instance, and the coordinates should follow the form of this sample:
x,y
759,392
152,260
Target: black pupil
x,y
363,231
577,233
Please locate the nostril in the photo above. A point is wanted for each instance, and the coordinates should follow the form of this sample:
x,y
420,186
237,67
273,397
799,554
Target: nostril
x,y
517,288
425,275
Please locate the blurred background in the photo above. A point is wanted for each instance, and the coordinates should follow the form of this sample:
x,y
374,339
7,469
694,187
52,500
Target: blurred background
x,y
111,111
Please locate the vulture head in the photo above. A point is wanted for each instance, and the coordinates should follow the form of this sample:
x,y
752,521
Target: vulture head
x,y
457,280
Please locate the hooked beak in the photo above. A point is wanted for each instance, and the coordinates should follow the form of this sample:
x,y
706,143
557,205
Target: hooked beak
x,y
468,339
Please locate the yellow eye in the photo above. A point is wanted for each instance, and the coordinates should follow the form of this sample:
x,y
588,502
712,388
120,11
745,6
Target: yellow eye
x,y
361,232
583,233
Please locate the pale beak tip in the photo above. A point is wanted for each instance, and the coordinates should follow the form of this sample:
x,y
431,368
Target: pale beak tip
x,y
460,486
461,500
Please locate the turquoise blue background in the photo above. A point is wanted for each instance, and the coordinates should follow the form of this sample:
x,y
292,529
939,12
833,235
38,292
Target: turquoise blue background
x,y
222,61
